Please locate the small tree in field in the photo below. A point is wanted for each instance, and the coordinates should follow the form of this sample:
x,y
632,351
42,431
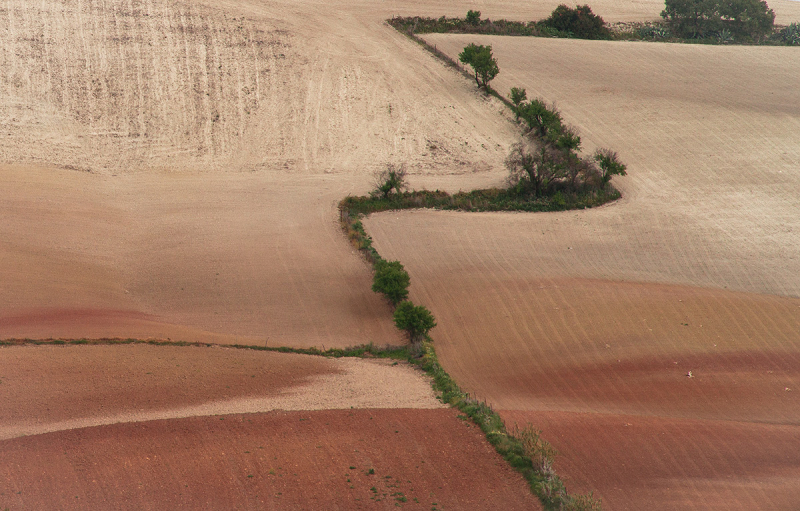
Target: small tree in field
x,y
534,166
414,319
391,179
517,97
484,65
392,280
609,164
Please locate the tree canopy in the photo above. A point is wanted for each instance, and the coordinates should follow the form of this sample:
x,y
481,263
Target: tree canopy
x,y
704,18
484,65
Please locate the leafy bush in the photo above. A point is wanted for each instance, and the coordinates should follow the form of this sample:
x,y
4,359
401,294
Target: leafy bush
x,y
791,34
473,17
609,164
742,19
517,97
391,279
483,63
414,319
391,179
654,33
579,22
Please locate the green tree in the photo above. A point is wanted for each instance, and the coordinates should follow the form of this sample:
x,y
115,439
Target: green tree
x,y
414,319
484,65
391,279
540,119
517,97
702,18
534,166
609,164
391,179
473,17
580,22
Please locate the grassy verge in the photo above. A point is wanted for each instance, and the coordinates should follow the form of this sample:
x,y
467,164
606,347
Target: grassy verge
x,y
361,351
491,199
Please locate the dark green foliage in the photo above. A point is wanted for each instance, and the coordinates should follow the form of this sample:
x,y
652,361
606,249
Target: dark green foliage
x,y
609,164
579,22
541,119
790,35
722,19
533,167
391,179
517,97
391,279
473,17
416,320
443,25
480,58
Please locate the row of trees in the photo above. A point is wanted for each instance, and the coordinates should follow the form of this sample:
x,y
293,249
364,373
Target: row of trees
x,y
738,19
392,280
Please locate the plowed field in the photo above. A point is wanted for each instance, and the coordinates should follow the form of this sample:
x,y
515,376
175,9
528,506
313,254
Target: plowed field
x,y
171,170
345,459
675,310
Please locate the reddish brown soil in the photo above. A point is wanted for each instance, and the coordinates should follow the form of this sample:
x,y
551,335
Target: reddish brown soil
x,y
422,459
52,388
48,383
636,463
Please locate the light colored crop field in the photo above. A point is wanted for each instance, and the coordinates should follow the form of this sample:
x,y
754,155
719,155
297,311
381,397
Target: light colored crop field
x,y
607,312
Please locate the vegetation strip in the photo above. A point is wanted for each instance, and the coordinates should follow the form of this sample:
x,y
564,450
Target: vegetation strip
x,y
361,351
523,449
709,22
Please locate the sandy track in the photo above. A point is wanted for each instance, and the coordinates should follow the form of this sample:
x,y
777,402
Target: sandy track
x,y
278,460
645,463
93,385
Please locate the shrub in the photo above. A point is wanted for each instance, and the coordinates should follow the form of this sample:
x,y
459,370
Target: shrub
x,y
473,17
391,279
533,167
391,179
579,22
517,97
416,320
483,63
610,165
704,18
791,34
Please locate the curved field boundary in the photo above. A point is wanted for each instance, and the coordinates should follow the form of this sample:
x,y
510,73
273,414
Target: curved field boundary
x,y
549,488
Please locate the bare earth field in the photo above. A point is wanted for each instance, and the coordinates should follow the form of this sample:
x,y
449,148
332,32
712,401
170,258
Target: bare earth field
x,y
171,170
422,459
586,321
95,385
